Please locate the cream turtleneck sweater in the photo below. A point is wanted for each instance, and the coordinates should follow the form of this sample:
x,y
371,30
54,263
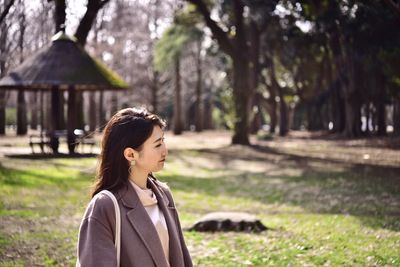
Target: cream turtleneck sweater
x,y
149,201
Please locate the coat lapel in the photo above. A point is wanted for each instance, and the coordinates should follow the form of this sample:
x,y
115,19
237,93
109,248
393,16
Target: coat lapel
x,y
143,225
175,249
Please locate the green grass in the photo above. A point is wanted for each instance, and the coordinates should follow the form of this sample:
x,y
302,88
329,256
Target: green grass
x,y
335,216
40,208
320,214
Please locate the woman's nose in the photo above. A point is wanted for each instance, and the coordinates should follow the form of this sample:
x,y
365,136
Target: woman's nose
x,y
165,151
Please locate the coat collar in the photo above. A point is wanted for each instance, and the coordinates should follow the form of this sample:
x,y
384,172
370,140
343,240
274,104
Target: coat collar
x,y
175,248
131,200
141,222
145,228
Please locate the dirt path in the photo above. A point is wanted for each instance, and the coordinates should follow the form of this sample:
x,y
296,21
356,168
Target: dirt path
x,y
298,145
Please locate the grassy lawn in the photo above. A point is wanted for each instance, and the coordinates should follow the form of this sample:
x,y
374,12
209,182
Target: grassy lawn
x,y
321,212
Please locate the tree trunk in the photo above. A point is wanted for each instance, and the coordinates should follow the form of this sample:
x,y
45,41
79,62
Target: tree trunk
x,y
254,54
177,104
309,116
396,117
381,111
238,48
155,82
352,129
283,123
347,67
315,106
241,98
336,101
3,101
283,115
273,116
314,116
199,102
367,117
86,22
3,48
207,118
352,99
154,91
299,116
381,119
338,110
6,9
22,121
59,15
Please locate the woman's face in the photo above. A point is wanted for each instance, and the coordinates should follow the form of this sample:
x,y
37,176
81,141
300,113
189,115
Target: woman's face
x,y
153,153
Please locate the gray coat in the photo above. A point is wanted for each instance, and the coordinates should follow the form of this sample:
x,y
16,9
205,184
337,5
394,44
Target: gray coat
x,y
140,244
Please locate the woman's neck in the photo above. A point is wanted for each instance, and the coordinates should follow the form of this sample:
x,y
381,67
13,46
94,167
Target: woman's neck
x,y
139,177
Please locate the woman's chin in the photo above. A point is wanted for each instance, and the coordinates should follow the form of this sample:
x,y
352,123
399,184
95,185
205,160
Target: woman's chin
x,y
159,167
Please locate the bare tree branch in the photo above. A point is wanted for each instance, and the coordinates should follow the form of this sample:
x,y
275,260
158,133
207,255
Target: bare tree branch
x,y
85,24
6,10
220,35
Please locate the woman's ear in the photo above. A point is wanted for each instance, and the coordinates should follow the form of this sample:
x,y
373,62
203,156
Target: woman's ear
x,y
130,154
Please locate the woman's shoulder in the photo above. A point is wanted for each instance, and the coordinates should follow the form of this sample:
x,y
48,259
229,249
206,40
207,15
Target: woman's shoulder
x,y
101,206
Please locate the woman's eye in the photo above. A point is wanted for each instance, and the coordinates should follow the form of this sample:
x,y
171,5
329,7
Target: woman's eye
x,y
158,145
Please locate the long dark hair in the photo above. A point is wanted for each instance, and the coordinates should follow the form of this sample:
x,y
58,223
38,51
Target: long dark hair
x,y
129,127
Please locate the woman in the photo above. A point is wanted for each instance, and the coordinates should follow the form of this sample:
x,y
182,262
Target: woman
x,y
132,149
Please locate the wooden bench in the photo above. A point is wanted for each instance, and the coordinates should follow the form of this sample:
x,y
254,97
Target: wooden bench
x,y
39,140
44,140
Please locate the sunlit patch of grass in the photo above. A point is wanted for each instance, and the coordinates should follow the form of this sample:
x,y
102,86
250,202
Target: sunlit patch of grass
x,y
41,191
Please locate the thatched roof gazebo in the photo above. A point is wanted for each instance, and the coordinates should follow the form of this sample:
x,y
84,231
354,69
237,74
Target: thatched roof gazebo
x,y
62,65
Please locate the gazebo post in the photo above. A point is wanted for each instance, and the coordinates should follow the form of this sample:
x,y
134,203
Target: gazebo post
x,y
55,118
41,107
71,140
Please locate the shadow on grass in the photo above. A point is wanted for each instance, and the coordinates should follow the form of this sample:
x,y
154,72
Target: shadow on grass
x,y
304,158
369,192
326,194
